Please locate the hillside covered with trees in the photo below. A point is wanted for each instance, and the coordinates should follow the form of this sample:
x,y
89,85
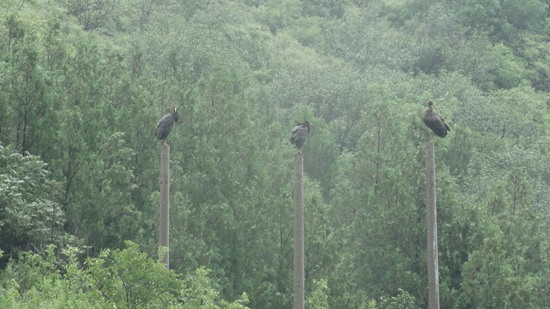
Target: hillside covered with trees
x,y
83,83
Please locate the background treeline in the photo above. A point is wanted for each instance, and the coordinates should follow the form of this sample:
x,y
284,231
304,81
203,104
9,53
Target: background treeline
x,y
83,82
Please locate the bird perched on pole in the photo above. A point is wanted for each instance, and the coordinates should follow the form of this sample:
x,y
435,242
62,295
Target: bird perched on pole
x,y
299,133
164,125
434,122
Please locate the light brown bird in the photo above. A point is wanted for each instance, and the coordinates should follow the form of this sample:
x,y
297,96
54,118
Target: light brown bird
x,y
164,125
300,132
434,122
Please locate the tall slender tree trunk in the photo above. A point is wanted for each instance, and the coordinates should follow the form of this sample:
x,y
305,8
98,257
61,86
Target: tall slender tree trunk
x,y
299,294
431,225
164,217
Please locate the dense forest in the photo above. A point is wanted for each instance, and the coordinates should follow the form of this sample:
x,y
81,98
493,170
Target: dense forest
x,y
83,83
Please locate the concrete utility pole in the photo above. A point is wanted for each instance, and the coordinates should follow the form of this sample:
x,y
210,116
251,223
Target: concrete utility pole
x,y
431,225
164,217
299,294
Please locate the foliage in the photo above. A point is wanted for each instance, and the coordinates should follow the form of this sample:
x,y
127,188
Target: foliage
x,y
318,298
30,216
124,278
82,84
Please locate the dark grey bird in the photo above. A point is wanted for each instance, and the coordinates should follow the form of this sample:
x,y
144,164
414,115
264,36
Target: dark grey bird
x,y
164,126
434,122
299,133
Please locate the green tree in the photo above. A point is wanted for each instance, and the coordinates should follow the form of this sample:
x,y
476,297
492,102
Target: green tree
x,y
30,215
124,278
91,14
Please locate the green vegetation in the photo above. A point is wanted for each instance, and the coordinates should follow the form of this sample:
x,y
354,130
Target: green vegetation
x,y
82,84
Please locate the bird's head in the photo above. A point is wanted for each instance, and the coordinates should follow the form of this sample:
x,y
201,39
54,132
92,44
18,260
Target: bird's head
x,y
308,124
431,104
175,113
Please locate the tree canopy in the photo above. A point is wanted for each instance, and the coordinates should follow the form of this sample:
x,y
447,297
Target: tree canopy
x,y
83,83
